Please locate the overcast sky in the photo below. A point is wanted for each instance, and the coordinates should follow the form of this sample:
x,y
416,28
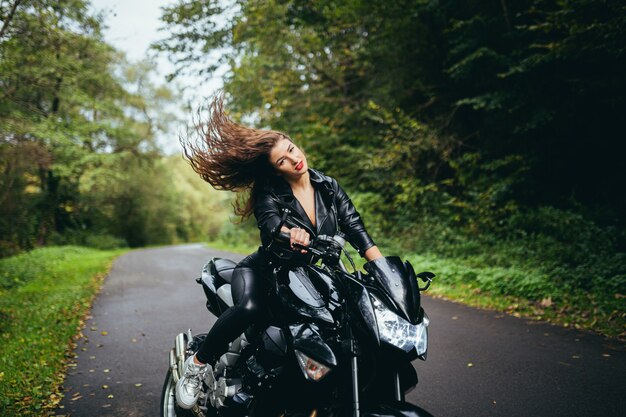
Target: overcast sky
x,y
132,25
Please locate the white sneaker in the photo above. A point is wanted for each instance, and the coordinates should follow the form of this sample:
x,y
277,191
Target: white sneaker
x,y
188,387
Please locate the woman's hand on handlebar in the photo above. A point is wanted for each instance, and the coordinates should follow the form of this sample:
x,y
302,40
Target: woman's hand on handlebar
x,y
298,238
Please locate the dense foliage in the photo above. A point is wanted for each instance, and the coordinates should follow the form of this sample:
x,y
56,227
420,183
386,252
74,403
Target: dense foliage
x,y
78,160
468,129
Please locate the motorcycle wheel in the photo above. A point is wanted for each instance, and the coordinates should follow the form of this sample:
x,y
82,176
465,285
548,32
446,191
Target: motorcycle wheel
x,y
169,408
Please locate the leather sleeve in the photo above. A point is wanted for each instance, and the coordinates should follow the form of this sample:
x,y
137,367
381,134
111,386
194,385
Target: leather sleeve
x,y
350,221
267,214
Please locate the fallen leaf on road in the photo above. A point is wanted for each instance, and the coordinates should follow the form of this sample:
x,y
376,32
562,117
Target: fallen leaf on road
x,y
138,385
575,357
93,328
606,355
469,365
104,333
106,371
110,396
105,386
134,340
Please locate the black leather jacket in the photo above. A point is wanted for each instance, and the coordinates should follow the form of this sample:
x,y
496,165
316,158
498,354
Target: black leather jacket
x,y
333,210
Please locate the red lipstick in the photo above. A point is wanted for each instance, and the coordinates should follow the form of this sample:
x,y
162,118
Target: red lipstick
x,y
299,166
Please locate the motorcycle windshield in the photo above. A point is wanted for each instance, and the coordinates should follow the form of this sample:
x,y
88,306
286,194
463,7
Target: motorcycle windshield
x,y
397,281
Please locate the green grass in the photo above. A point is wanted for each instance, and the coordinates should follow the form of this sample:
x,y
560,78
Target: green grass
x,y
44,297
474,282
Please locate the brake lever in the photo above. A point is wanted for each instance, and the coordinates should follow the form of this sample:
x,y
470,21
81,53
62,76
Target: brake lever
x,y
276,231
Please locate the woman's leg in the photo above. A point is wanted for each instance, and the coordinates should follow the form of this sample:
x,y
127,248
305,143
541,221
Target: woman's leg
x,y
248,289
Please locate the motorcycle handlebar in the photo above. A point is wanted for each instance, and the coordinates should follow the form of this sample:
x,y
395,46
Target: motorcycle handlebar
x,y
328,247
321,245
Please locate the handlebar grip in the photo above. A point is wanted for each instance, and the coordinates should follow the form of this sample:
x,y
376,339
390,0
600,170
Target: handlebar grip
x,y
286,237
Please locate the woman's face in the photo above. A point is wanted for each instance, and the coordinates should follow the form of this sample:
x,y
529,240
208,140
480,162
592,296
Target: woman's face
x,y
287,159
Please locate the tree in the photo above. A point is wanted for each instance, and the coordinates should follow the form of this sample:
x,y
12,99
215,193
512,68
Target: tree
x,y
515,97
71,107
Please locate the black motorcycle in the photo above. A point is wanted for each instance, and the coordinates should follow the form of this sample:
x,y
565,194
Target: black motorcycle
x,y
335,343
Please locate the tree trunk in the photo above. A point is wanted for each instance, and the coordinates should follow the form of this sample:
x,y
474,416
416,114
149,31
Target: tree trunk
x,y
9,17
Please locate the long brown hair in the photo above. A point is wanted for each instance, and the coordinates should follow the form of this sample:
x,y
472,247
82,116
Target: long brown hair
x,y
230,156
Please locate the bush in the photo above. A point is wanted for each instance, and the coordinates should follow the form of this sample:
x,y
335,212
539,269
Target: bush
x,y
21,269
88,238
104,242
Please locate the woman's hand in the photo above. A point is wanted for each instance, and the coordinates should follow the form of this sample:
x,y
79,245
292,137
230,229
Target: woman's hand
x,y
300,237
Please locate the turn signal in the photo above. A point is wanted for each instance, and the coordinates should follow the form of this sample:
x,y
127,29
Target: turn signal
x,y
313,370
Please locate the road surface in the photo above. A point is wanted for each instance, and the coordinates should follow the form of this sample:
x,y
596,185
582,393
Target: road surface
x,y
480,363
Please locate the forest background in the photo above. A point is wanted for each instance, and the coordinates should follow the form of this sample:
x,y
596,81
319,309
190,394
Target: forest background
x,y
479,139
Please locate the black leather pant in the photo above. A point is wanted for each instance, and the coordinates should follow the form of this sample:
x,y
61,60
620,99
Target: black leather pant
x,y
249,289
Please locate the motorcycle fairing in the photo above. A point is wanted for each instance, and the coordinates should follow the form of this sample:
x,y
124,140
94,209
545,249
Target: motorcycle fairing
x,y
324,283
398,283
297,292
307,340
274,341
360,295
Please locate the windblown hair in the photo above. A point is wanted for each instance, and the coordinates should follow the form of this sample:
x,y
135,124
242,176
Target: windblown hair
x,y
230,156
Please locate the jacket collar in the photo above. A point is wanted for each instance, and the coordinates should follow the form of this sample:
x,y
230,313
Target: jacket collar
x,y
282,191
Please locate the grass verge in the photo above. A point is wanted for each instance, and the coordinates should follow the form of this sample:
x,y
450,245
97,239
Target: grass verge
x,y
464,281
44,296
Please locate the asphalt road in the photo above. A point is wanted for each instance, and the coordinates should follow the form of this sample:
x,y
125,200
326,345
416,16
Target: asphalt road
x,y
480,363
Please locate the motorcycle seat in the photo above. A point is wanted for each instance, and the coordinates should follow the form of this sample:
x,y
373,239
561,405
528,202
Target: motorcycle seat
x,y
224,268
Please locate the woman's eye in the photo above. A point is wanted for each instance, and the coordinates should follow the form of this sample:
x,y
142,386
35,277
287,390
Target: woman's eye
x,y
290,149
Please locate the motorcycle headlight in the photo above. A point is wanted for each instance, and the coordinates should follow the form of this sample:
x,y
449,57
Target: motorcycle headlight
x,y
313,370
398,332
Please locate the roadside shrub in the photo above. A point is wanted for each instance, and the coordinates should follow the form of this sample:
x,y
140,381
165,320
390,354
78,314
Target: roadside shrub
x,y
104,241
20,269
87,238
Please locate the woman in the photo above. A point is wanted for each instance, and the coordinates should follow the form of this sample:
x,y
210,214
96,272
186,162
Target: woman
x,y
275,172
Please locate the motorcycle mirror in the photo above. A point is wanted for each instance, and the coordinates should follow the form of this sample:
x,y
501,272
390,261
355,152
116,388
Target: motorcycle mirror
x,y
426,276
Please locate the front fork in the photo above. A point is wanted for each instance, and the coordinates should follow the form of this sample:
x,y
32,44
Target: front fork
x,y
356,403
350,348
356,410
397,389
